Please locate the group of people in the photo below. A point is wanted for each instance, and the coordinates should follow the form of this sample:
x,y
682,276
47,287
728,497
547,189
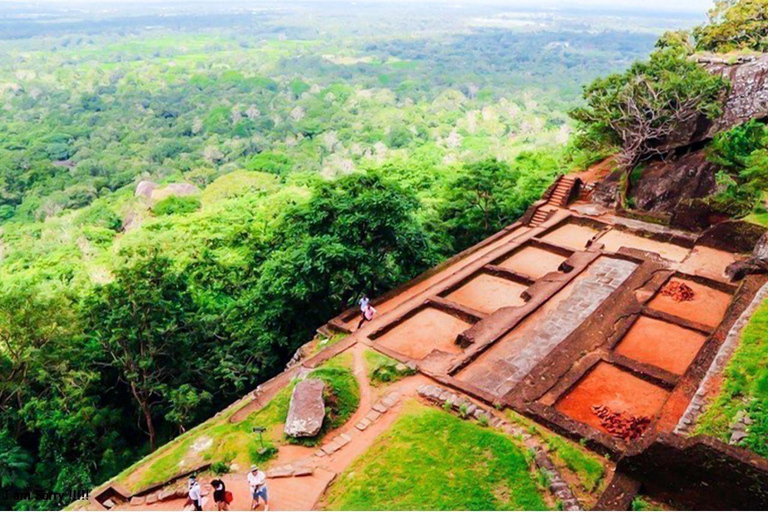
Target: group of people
x,y
367,311
257,481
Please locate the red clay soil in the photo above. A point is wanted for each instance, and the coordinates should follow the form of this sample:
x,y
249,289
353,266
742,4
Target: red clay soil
x,y
707,307
662,344
573,236
429,329
533,262
614,388
487,293
598,171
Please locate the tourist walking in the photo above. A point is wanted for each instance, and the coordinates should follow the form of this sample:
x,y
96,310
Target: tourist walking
x,y
220,494
195,493
257,480
364,302
368,313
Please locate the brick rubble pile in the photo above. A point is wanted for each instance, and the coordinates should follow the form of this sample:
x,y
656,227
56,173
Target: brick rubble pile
x,y
678,291
621,425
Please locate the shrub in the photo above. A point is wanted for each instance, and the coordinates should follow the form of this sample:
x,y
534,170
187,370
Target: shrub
x,y
176,205
220,467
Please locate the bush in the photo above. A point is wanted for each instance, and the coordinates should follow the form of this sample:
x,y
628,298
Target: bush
x,y
174,205
220,468
734,25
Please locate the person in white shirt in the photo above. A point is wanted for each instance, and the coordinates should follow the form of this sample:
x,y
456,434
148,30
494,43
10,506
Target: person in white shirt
x,y
195,493
364,303
257,480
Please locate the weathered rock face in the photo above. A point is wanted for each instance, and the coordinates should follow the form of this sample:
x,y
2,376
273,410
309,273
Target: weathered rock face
x,y
747,99
664,184
307,409
760,251
145,188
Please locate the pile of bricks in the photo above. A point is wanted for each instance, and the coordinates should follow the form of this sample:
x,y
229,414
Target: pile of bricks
x,y
678,291
621,425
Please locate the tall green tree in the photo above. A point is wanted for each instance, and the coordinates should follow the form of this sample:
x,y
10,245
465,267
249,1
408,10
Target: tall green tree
x,y
356,234
144,323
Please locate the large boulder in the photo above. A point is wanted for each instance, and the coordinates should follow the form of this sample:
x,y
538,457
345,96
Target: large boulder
x,y
760,251
145,188
307,409
663,185
757,263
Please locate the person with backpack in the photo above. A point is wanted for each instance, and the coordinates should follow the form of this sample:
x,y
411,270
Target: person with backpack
x,y
195,493
220,494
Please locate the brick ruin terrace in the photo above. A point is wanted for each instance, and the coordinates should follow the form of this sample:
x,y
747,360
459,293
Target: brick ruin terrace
x,y
603,328
574,309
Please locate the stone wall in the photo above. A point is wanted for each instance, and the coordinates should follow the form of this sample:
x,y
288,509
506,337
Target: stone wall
x,y
699,473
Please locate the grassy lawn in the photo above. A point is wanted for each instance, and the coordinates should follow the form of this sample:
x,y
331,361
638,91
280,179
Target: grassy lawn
x,y
218,440
432,460
744,388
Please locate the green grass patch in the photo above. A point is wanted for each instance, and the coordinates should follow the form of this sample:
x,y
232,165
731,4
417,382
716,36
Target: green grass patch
x,y
383,369
432,460
327,342
588,467
744,388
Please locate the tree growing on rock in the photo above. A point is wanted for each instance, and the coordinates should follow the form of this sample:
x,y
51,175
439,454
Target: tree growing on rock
x,y
637,112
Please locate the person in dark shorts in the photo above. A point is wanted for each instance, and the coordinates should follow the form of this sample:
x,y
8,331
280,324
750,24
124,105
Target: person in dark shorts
x,y
220,494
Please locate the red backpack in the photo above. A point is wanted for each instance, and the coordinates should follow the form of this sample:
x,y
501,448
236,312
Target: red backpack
x,y
229,497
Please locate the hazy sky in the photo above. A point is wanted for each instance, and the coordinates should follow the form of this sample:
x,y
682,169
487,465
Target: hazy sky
x,y
700,6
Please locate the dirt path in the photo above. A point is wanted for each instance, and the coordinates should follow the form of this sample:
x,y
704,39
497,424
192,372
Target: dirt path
x,y
305,492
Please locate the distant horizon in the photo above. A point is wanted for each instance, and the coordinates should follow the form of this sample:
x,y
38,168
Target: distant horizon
x,y
641,6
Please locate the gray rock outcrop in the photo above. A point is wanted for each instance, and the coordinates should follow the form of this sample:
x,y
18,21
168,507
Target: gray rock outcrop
x,y
665,184
307,409
757,263
145,188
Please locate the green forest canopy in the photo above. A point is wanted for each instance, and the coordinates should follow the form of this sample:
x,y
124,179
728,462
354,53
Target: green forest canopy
x,y
327,166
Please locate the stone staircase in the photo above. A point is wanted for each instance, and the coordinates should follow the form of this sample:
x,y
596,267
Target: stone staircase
x,y
542,215
557,199
562,192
